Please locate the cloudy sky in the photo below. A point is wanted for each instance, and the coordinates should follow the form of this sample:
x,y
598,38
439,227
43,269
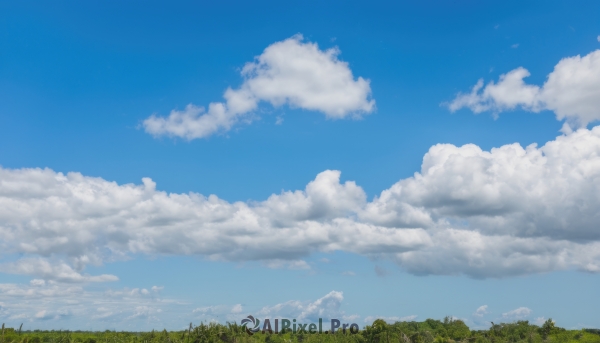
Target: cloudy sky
x,y
162,164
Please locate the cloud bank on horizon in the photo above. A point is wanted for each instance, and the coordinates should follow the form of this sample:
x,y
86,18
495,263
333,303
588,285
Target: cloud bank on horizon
x,y
41,301
571,91
45,301
509,211
51,301
291,72
143,308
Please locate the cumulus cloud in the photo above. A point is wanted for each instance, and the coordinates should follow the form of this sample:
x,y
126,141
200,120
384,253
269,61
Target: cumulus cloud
x,y
510,211
391,320
327,306
517,314
90,220
481,311
291,72
571,90
43,314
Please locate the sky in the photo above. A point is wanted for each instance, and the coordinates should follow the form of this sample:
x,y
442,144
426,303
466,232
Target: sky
x,y
163,163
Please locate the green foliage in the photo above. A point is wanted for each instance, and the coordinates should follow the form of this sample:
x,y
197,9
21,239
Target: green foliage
x,y
448,330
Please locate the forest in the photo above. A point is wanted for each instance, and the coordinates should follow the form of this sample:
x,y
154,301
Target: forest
x,y
448,330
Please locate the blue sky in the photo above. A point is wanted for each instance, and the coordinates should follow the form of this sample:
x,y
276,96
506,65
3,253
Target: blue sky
x,y
95,88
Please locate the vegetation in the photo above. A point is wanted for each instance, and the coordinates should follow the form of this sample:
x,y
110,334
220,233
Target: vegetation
x,y
428,331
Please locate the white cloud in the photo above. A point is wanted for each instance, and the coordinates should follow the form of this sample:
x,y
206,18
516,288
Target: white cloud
x,y
391,320
512,210
508,211
285,264
41,315
37,282
219,313
517,314
572,91
481,311
145,312
42,304
89,220
192,122
325,307
291,72
328,306
212,309
51,271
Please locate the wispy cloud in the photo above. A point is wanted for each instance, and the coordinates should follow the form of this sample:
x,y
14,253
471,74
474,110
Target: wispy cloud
x,y
50,270
517,314
390,320
43,304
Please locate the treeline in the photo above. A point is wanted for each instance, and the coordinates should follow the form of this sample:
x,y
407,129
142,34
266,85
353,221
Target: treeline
x,y
428,331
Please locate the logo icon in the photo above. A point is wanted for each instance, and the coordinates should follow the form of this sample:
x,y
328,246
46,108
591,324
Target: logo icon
x,y
251,321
